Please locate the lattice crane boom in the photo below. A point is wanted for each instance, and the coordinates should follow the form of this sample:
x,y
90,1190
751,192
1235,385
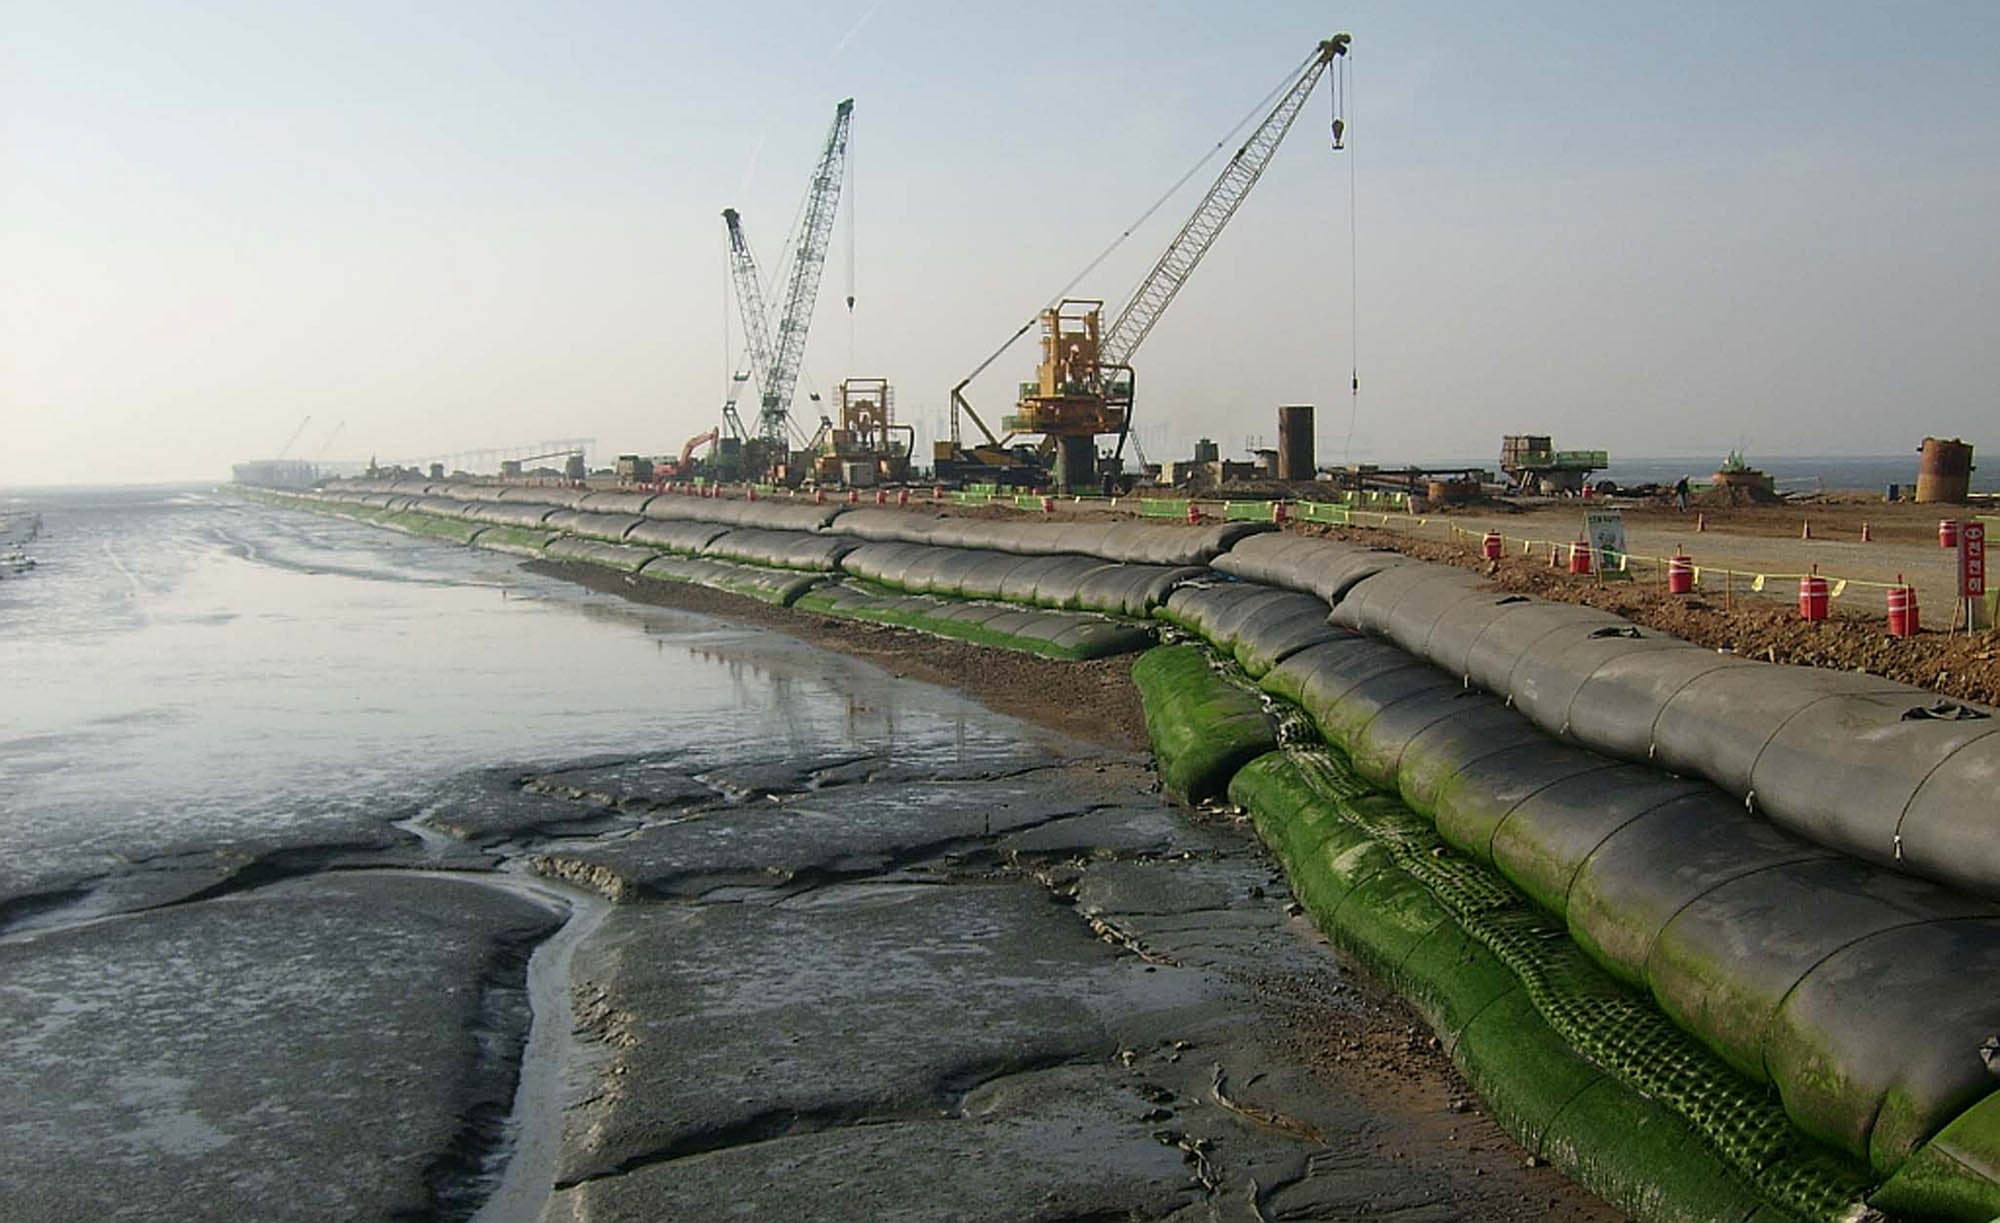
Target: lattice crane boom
x,y
1156,292
802,291
749,300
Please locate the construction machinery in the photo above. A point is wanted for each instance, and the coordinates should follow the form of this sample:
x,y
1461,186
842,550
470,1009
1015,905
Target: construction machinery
x,y
864,446
776,362
1083,388
683,467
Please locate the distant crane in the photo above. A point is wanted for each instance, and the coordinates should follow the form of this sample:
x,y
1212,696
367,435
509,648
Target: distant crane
x,y
777,364
330,438
1084,384
294,438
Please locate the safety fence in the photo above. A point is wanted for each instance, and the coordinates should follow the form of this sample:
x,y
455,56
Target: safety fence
x,y
1603,565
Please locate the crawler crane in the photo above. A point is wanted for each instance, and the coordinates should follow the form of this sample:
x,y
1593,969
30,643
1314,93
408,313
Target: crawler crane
x,y
1083,386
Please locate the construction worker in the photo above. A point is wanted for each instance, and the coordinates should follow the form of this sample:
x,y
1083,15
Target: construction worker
x,y
1681,494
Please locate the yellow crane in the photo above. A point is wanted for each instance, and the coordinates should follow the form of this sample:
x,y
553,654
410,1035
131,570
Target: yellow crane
x,y
1083,385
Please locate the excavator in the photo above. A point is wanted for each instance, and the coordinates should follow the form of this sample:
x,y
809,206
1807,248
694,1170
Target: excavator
x,y
684,466
1083,386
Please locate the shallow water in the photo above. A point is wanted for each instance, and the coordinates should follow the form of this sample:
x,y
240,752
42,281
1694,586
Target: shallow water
x,y
185,670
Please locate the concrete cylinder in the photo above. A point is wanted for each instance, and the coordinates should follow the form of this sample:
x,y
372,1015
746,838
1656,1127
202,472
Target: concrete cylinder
x,y
1296,460
1944,472
1076,464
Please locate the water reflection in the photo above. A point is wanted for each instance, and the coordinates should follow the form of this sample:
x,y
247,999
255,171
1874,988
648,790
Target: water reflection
x,y
192,668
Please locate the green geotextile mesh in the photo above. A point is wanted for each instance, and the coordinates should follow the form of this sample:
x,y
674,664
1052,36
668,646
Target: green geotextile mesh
x,y
1597,1018
520,540
1610,1027
1954,1175
1203,727
1584,1071
416,522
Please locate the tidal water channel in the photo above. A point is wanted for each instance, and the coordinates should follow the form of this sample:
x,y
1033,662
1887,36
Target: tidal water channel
x,y
347,875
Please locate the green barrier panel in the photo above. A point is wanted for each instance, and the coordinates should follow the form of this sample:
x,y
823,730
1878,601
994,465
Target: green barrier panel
x,y
1320,511
1247,511
1203,727
1159,507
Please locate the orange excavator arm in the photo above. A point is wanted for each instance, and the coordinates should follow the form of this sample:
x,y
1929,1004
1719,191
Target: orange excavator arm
x,y
700,439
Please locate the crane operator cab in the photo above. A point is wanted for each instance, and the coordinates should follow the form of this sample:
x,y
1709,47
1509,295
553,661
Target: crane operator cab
x,y
1075,397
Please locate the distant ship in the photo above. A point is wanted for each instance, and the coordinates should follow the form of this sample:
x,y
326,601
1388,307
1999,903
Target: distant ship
x,y
17,531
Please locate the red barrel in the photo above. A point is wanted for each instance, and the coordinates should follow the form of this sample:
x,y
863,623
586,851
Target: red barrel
x,y
1680,575
854,496
1902,611
902,496
937,492
1278,514
1048,505
1579,557
1491,546
1947,532
1813,597
819,496
881,496
751,492
1194,512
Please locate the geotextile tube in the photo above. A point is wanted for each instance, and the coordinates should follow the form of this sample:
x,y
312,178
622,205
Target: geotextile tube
x,y
519,541
1322,567
812,552
1261,625
1076,583
1053,634
1130,542
770,515
1879,770
1203,727
1580,1070
1735,927
782,587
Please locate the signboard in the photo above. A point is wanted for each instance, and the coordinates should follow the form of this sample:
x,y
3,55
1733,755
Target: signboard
x,y
1605,530
1972,559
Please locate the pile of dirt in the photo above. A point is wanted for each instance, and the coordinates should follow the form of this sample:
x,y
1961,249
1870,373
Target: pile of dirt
x,y
1966,666
1735,496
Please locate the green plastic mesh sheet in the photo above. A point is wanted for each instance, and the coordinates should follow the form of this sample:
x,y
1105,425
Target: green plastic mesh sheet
x,y
1612,1028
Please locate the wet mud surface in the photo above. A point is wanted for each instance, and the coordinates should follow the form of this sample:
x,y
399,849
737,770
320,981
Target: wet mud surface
x,y
1040,993
766,933
840,987
182,1064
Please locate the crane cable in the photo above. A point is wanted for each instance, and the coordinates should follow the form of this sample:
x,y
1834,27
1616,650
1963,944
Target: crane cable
x,y
1340,114
848,167
1256,111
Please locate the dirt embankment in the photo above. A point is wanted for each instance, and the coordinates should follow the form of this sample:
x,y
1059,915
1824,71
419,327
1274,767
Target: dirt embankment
x,y
1962,666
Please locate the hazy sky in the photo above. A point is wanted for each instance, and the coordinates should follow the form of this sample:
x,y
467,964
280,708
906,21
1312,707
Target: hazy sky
x,y
1661,229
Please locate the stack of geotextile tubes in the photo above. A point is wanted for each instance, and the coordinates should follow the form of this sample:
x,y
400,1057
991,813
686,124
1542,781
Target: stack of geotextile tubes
x,y
1794,865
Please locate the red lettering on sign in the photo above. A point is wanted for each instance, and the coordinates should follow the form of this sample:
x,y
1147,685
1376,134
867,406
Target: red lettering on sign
x,y
1972,560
